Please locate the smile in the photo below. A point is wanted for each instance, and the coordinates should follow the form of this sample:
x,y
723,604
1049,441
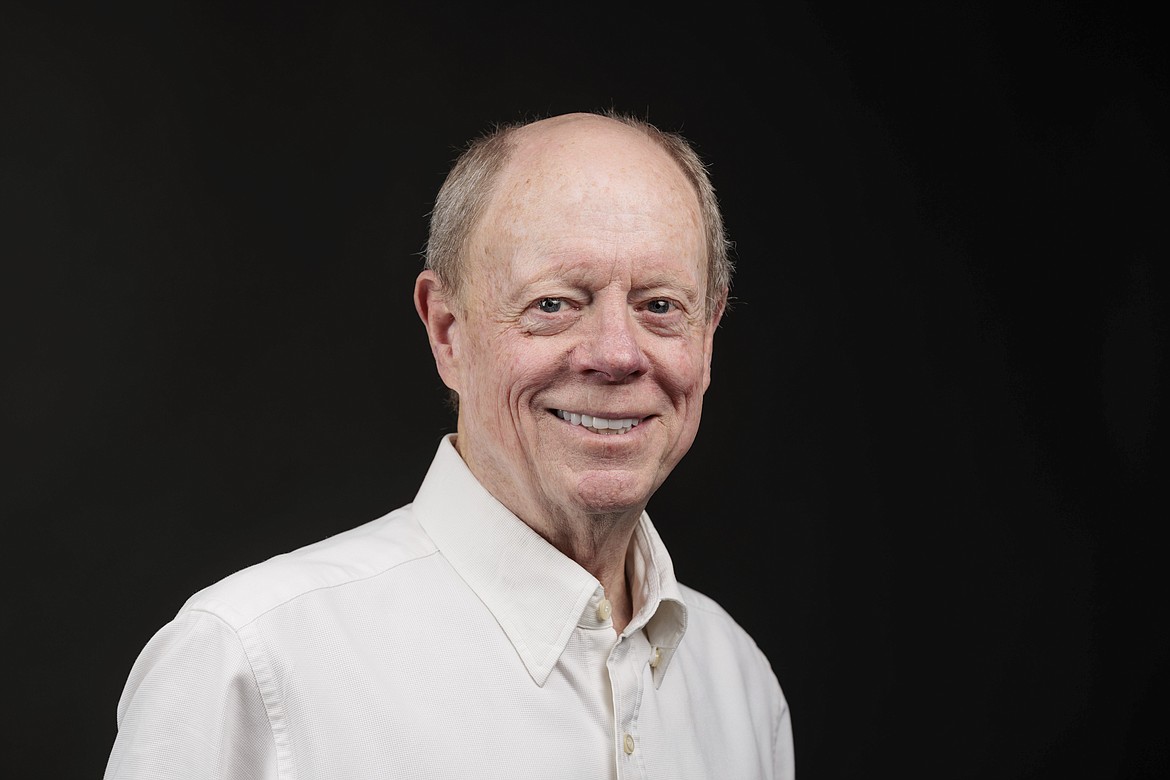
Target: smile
x,y
598,424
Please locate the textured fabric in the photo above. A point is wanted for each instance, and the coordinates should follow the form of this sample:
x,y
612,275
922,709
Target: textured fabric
x,y
449,640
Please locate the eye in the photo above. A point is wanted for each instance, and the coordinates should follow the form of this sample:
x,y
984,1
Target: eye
x,y
660,306
549,305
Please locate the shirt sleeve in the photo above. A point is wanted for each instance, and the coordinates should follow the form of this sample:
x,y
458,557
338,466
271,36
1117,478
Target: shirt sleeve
x,y
785,768
191,709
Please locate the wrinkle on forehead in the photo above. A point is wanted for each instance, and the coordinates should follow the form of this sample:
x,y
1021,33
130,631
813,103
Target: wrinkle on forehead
x,y
588,191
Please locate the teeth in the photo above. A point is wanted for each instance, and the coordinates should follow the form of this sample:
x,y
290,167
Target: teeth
x,y
599,424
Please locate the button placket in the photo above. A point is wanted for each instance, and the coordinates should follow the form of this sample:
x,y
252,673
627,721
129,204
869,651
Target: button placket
x,y
627,666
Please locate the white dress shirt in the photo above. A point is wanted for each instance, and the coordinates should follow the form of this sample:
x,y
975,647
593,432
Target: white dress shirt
x,y
449,640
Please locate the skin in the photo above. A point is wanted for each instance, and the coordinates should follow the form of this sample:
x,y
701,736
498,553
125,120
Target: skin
x,y
586,281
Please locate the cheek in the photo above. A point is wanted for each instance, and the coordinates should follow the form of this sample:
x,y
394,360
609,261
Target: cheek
x,y
508,370
683,372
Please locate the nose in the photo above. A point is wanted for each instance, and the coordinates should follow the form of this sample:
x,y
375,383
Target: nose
x,y
610,348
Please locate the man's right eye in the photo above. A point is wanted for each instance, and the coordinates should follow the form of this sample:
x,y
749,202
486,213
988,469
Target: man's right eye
x,y
549,305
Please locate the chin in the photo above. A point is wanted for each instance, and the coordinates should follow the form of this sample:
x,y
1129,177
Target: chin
x,y
613,493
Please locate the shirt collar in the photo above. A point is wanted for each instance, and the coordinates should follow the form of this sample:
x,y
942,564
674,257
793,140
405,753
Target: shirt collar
x,y
537,594
659,608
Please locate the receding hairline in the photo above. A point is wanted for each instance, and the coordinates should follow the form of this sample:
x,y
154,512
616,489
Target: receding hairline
x,y
479,170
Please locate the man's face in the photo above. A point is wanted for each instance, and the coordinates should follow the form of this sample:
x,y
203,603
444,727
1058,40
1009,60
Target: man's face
x,y
585,299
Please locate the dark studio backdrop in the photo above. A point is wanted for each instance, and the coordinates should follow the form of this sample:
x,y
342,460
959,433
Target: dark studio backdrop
x,y
927,478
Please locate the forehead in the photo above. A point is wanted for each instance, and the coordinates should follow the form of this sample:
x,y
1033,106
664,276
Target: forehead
x,y
590,163
587,192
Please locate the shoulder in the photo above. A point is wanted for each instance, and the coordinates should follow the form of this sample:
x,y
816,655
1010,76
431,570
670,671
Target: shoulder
x,y
729,656
714,634
740,681
353,556
708,610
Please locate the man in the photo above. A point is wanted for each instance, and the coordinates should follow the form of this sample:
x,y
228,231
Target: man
x,y
520,618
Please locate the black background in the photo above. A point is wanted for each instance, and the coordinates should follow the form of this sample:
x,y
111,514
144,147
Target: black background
x,y
927,480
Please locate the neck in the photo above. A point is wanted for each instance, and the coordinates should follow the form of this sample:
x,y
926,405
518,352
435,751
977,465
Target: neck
x,y
598,543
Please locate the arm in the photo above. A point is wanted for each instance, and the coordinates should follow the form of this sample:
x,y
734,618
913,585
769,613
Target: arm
x,y
782,744
191,709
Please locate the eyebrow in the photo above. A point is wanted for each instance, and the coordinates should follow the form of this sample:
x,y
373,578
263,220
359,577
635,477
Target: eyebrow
x,y
663,280
578,277
670,282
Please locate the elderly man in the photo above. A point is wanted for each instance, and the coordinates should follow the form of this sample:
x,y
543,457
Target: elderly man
x,y
520,618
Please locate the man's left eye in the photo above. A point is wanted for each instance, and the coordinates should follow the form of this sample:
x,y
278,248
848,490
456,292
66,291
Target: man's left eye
x,y
659,306
549,305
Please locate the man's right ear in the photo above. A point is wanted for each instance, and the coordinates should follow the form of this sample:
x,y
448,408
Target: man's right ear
x,y
442,326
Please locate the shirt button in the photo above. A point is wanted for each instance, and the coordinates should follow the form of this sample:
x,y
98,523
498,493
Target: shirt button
x,y
604,610
655,658
628,744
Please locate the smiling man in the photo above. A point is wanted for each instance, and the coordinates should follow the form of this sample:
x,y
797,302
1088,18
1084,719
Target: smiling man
x,y
520,618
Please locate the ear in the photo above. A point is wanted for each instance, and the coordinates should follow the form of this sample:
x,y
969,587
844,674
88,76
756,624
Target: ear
x,y
442,326
709,338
